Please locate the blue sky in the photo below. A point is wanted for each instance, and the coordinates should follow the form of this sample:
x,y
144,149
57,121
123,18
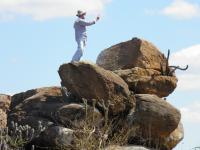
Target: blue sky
x,y
37,37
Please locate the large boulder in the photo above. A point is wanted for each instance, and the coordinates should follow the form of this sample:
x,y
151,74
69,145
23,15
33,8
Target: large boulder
x,y
36,105
164,143
5,102
148,81
156,117
86,80
35,93
48,106
130,54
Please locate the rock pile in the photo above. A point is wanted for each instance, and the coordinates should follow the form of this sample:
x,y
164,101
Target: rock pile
x,y
121,96
142,66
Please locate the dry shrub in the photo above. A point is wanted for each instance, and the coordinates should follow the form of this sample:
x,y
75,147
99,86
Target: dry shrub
x,y
109,132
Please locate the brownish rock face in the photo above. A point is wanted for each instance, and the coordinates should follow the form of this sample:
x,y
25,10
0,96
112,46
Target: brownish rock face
x,y
35,93
175,137
36,105
156,117
130,54
128,83
48,106
5,102
4,108
148,81
86,80
3,119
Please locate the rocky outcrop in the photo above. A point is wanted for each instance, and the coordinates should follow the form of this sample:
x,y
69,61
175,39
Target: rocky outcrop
x,y
148,81
86,80
94,107
130,54
155,116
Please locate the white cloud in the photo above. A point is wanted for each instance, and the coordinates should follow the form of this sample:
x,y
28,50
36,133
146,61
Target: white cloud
x,y
190,79
150,12
181,9
48,9
190,56
189,82
191,113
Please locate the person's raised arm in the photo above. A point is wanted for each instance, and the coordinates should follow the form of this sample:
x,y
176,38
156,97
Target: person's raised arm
x,y
85,23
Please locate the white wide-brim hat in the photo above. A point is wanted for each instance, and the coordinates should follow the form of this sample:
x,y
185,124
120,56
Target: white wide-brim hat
x,y
80,13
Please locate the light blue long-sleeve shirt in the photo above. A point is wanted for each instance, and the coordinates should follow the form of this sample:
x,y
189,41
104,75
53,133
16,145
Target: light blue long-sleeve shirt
x,y
80,28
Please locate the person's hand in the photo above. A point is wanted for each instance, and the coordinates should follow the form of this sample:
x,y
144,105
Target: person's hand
x,y
97,18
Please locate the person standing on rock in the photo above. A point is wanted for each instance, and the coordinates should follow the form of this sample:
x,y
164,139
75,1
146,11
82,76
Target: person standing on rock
x,y
80,33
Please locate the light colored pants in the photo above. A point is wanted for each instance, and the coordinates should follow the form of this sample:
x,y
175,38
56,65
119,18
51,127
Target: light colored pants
x,y
79,52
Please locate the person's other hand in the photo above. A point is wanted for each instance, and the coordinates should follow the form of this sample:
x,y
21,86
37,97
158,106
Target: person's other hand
x,y
97,18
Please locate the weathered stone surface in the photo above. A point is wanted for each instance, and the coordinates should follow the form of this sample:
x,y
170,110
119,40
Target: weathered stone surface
x,y
126,148
5,102
55,137
148,81
162,143
174,138
156,117
86,80
36,105
48,106
128,82
20,98
130,54
3,119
